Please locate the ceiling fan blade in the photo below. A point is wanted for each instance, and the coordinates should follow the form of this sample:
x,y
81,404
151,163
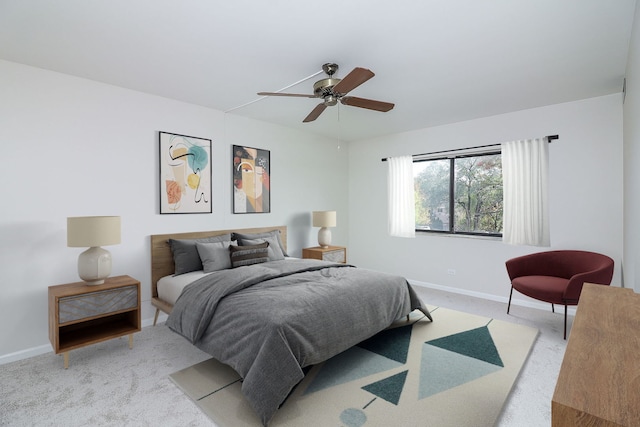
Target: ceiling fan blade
x,y
352,80
286,94
370,104
315,113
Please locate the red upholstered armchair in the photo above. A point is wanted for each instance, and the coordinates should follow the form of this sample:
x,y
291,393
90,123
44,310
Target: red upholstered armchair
x,y
557,276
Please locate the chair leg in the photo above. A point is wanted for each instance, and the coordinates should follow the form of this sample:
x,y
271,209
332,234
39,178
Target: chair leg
x,y
510,295
565,321
553,309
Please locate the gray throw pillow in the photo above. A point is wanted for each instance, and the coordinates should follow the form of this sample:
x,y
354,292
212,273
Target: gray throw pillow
x,y
275,253
214,256
248,255
185,252
252,236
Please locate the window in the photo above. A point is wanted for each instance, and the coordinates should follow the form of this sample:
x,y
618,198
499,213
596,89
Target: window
x,y
461,195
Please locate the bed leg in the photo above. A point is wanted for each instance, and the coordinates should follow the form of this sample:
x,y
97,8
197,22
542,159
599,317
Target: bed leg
x,y
155,318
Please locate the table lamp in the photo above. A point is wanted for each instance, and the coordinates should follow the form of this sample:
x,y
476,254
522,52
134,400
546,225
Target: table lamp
x,y
94,264
324,219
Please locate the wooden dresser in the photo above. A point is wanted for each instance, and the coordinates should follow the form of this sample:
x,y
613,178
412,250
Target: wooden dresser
x,y
599,381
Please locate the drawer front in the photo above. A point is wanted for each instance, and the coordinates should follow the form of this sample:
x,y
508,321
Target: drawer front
x,y
334,256
97,303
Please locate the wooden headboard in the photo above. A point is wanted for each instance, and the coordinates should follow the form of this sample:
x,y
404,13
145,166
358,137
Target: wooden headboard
x,y
162,258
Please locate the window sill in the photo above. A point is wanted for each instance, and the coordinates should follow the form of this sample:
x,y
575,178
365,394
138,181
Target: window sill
x,y
457,235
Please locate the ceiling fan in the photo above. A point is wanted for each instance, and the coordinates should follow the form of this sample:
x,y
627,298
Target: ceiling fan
x,y
332,90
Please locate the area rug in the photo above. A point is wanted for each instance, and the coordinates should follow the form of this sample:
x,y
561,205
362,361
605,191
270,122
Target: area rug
x,y
455,371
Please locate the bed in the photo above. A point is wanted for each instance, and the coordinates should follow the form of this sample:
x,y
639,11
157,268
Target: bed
x,y
162,263
270,319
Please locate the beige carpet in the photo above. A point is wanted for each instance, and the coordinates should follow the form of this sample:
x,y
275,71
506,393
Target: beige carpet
x,y
456,371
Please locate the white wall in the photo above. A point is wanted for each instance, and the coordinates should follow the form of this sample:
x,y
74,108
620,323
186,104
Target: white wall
x,y
74,147
586,195
631,264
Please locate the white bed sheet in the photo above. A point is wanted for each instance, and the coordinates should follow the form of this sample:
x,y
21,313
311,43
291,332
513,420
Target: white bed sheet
x,y
170,287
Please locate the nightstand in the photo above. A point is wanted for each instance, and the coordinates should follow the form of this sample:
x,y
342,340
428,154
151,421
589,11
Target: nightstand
x,y
332,253
81,314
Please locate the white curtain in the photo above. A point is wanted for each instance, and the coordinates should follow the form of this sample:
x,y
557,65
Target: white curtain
x,y
402,213
525,169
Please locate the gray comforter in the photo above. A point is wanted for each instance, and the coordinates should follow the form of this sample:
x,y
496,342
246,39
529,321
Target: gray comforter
x,y
270,320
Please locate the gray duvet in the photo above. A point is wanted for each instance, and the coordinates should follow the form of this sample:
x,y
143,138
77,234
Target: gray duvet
x,y
268,321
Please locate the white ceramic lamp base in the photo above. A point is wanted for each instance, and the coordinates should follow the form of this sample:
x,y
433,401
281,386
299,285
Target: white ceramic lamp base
x,y
94,265
324,237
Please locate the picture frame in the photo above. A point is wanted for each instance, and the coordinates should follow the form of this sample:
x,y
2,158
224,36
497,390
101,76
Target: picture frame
x,y
251,186
185,174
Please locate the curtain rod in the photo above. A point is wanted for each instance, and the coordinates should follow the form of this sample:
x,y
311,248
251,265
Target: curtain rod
x,y
549,138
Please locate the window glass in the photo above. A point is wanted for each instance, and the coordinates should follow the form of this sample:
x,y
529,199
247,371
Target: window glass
x,y
459,195
431,180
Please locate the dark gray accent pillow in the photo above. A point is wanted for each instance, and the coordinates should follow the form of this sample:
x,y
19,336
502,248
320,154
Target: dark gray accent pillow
x,y
214,256
185,252
275,253
249,255
252,236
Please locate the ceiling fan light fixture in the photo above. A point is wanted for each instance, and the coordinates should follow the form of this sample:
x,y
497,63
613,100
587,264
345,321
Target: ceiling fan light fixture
x,y
325,86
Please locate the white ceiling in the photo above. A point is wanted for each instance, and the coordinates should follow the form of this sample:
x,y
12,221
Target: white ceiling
x,y
438,61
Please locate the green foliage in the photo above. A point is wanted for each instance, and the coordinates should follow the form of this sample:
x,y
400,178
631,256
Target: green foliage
x,y
431,193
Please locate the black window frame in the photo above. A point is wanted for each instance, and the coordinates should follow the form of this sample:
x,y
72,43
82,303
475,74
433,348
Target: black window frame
x,y
452,181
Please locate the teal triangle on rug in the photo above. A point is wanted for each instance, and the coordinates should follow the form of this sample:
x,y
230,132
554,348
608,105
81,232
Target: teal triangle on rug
x,y
348,366
391,343
441,370
476,343
389,388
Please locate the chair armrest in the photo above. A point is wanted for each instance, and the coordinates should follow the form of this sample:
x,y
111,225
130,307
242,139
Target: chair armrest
x,y
600,276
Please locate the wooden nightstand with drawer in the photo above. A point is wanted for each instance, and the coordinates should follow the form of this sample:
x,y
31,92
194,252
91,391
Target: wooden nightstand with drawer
x,y
81,314
331,253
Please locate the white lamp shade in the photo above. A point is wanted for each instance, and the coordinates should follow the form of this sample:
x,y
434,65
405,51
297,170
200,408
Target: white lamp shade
x,y
324,218
91,231
94,264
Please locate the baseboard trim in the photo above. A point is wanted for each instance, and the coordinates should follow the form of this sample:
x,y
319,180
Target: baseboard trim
x,y
571,311
43,349
25,354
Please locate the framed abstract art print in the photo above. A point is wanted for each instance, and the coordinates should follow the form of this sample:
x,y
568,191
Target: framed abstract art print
x,y
251,180
185,174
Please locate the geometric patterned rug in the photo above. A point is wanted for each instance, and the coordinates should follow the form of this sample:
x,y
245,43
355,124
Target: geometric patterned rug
x,y
455,371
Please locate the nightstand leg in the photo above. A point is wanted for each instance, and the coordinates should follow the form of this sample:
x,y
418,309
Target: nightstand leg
x,y
130,340
65,356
